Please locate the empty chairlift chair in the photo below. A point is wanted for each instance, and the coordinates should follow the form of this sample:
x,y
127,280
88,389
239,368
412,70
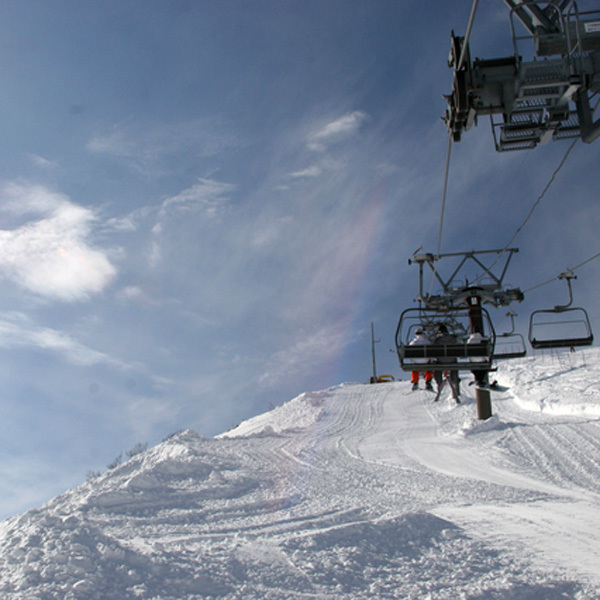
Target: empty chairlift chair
x,y
510,344
563,326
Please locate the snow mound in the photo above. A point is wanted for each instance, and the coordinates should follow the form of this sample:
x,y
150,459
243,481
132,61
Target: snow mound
x,y
560,383
295,415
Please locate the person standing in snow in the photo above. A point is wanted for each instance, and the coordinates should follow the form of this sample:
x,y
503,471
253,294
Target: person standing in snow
x,y
420,339
445,337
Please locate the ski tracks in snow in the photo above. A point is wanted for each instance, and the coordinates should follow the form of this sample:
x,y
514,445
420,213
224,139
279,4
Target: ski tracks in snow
x,y
350,493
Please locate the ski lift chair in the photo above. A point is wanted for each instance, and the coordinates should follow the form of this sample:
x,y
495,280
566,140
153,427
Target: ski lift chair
x,y
510,344
459,355
563,326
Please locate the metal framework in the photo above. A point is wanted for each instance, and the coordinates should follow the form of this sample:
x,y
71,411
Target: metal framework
x,y
488,286
532,102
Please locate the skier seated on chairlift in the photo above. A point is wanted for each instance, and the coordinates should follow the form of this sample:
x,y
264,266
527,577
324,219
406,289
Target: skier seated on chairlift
x,y
445,337
420,339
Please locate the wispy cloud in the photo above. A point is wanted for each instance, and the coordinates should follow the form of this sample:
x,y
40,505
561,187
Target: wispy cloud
x,y
42,163
159,149
305,354
321,141
208,195
309,172
48,251
336,131
17,330
268,232
209,198
134,293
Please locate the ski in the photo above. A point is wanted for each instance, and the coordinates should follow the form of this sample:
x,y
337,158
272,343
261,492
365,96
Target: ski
x,y
455,390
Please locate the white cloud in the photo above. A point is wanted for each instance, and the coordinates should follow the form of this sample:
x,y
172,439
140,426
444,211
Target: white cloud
x,y
115,143
134,293
208,195
42,163
337,130
16,330
126,223
137,295
48,251
268,232
309,172
149,149
307,353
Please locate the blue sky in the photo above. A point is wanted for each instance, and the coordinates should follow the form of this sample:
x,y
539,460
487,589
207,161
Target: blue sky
x,y
204,205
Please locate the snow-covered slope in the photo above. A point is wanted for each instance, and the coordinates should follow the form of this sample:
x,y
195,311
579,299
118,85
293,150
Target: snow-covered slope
x,y
353,492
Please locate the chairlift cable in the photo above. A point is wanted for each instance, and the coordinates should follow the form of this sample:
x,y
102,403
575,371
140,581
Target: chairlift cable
x,y
539,285
443,209
447,169
539,199
541,196
467,35
444,194
585,262
534,206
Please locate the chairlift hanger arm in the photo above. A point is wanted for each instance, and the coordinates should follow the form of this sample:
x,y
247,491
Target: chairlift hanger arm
x,y
512,314
567,276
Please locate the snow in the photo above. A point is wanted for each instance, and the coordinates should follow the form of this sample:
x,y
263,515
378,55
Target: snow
x,y
358,491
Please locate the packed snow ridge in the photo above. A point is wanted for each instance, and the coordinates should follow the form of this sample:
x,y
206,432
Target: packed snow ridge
x,y
359,491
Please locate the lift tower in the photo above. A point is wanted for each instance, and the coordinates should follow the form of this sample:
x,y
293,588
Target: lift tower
x,y
460,306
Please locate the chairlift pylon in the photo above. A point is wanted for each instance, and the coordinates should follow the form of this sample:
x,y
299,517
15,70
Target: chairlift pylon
x,y
547,327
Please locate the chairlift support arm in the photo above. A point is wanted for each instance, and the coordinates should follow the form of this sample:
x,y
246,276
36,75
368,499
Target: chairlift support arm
x,y
567,276
490,292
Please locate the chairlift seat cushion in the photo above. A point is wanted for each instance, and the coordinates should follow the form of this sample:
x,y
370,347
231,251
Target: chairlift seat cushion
x,y
562,343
